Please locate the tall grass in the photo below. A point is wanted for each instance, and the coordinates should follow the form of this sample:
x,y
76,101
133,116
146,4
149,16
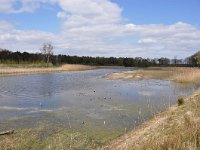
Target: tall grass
x,y
186,75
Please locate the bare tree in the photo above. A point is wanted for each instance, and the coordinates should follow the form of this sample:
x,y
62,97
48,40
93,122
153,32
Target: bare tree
x,y
47,50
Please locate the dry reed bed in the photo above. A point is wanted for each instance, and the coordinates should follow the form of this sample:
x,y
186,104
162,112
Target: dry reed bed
x,y
177,128
186,75
67,67
177,74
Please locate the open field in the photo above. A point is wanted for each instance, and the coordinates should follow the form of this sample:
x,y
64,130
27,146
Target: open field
x,y
177,74
177,128
4,70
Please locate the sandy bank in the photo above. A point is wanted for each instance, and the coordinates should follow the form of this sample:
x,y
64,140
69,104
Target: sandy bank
x,y
68,67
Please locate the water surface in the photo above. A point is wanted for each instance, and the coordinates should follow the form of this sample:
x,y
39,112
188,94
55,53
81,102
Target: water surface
x,y
83,100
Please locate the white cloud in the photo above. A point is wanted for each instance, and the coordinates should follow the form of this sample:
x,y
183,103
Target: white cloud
x,y
147,41
88,13
11,38
19,6
95,27
6,5
5,26
62,15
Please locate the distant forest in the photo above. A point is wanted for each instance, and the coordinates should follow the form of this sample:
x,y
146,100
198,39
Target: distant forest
x,y
7,57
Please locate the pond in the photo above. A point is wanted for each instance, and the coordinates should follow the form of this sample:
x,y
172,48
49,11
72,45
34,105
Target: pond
x,y
84,101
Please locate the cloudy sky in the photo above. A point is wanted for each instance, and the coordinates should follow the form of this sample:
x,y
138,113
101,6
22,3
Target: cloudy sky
x,y
127,28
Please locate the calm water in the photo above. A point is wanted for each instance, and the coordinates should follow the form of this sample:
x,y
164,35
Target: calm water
x,y
71,99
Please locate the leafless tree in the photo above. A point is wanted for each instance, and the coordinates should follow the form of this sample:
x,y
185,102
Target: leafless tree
x,y
47,51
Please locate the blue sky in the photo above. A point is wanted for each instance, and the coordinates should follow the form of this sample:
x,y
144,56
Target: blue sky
x,y
147,28
44,19
161,11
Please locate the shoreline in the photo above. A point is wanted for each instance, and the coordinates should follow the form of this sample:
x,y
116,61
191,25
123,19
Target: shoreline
x,y
163,129
12,71
153,129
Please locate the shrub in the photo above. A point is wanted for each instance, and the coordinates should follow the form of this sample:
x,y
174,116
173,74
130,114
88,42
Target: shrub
x,y
180,101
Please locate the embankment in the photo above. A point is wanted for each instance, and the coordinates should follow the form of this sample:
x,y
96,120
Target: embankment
x,y
177,128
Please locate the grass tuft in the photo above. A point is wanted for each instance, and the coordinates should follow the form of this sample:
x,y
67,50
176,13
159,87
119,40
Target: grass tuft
x,y
180,101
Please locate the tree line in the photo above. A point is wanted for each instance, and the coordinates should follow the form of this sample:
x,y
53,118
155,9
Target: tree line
x,y
46,56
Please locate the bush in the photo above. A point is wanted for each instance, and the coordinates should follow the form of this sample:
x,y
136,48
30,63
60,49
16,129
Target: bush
x,y
180,101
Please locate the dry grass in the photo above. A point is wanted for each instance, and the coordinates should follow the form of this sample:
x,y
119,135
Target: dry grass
x,y
32,70
45,138
177,74
186,75
178,128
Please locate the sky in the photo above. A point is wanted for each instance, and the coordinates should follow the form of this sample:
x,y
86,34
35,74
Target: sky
x,y
119,28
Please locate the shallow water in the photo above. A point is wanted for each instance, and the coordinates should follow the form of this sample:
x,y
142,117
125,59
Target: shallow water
x,y
85,99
